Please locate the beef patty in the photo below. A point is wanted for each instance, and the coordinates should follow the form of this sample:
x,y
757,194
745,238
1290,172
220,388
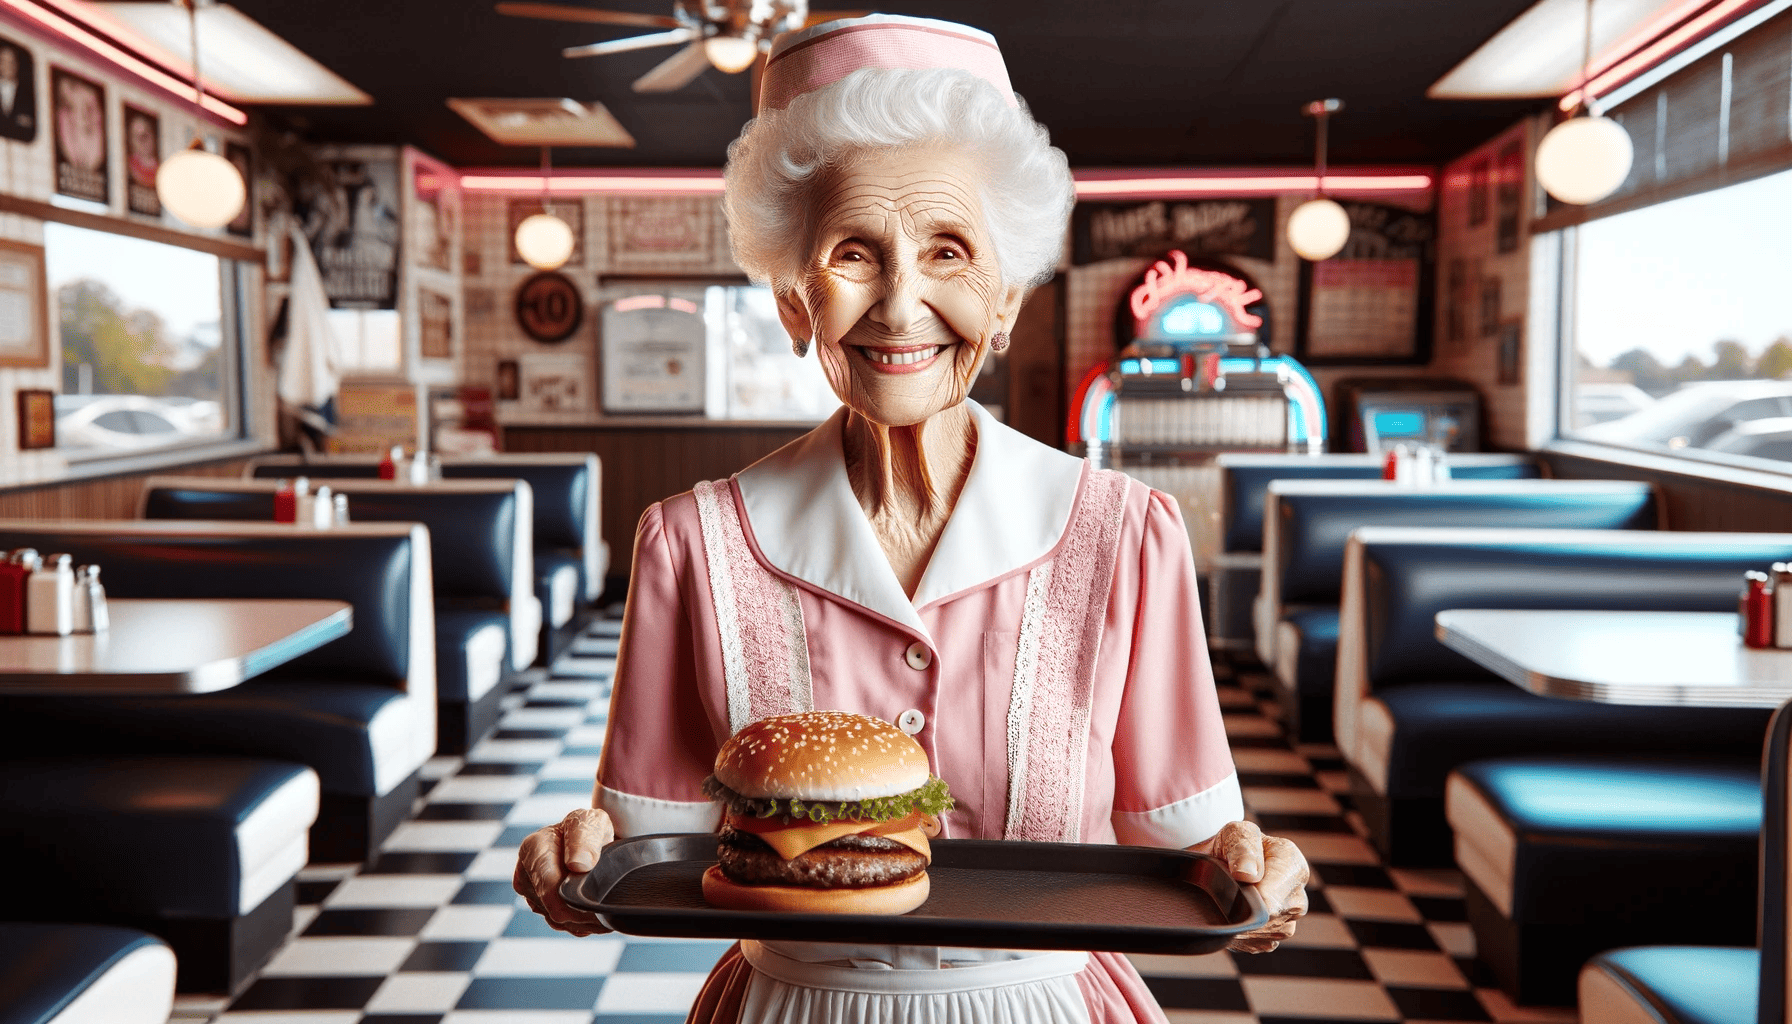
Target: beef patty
x,y
850,862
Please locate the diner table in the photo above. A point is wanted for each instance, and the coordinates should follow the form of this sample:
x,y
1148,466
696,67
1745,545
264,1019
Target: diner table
x,y
172,646
1691,659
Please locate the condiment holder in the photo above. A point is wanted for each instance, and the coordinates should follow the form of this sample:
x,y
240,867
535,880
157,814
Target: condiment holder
x,y
50,596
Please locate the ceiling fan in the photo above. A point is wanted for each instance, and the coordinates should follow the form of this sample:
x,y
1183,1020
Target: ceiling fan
x,y
729,35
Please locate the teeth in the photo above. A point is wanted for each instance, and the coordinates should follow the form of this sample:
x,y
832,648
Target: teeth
x,y
901,358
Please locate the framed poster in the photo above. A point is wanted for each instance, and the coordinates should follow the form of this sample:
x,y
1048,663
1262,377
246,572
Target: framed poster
x,y
509,383
37,419
81,133
142,159
554,381
1509,193
653,350
372,415
435,324
24,316
661,232
435,217
1204,227
350,216
18,92
572,211
1479,174
1372,302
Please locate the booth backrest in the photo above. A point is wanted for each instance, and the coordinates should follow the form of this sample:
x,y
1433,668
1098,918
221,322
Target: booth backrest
x,y
568,513
1303,557
1244,479
382,569
1776,871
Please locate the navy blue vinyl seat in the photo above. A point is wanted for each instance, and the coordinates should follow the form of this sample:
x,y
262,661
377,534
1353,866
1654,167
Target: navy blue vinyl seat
x,y
201,851
360,711
1233,576
571,558
1705,984
83,973
479,533
1409,710
1303,558
1570,855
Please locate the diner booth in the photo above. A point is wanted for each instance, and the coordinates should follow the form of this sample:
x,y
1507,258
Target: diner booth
x,y
333,394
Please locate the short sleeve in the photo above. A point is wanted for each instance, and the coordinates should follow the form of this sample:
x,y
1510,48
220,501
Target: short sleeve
x,y
1174,783
658,746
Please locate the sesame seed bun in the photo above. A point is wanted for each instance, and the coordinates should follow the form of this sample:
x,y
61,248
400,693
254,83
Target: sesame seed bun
x,y
821,755
900,898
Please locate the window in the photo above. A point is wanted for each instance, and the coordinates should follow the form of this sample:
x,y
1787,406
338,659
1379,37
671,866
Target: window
x,y
1682,329
147,358
761,377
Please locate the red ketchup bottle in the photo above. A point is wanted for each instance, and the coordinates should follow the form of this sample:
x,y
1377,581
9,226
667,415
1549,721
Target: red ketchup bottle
x,y
389,465
13,576
286,503
1757,610
1390,464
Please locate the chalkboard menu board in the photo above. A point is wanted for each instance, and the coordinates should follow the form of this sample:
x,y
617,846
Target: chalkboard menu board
x,y
1205,227
1371,303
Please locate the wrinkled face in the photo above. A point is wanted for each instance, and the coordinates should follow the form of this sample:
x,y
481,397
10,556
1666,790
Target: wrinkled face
x,y
900,288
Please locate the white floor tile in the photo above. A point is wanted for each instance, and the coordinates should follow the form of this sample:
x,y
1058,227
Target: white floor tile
x,y
1416,968
482,789
495,864
1265,759
468,922
1250,725
1456,937
546,808
585,736
332,955
439,767
1319,997
1218,965
514,751
1332,847
518,1017
553,958
1209,1017
420,992
1503,1011
569,768
1273,800
1428,881
394,891
565,689
1371,904
543,718
292,1017
1321,931
650,993
443,836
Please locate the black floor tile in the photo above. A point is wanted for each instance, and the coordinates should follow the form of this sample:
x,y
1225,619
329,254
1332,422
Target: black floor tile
x,y
327,993
563,786
652,957
556,702
1326,764
633,1018
1440,908
1274,823
1319,1020
488,893
1198,993
1477,972
462,812
513,835
1258,742
1278,781
1363,876
1316,901
377,921
402,1018
1303,962
1390,934
444,956
591,751
531,994
500,768
309,894
528,734
421,863
1437,1004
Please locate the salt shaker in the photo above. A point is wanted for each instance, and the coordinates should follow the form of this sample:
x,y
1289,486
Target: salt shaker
x,y
1782,604
323,508
341,509
50,597
100,619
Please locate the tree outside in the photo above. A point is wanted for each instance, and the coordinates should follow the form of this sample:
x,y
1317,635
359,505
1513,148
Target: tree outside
x,y
1730,360
129,351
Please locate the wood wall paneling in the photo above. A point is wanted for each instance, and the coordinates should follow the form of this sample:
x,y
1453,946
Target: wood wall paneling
x,y
1691,502
111,497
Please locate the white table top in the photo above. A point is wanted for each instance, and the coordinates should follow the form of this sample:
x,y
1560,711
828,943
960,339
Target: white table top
x,y
1622,657
172,646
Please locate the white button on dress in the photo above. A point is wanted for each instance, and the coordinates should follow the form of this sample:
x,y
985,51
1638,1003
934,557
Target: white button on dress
x,y
911,721
919,657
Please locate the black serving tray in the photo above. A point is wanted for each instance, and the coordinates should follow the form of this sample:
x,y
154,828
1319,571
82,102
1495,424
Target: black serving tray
x,y
986,894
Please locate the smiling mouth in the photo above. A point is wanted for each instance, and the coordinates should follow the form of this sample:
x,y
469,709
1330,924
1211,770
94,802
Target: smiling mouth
x,y
900,356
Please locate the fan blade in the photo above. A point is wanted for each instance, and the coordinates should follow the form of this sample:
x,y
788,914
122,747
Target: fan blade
x,y
590,16
817,17
646,42
676,71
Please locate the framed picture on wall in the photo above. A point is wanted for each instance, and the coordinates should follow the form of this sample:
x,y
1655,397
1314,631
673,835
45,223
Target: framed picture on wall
x,y
1372,302
81,133
24,316
142,159
37,419
18,92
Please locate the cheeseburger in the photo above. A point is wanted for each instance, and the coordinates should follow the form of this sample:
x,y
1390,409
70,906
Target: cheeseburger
x,y
824,812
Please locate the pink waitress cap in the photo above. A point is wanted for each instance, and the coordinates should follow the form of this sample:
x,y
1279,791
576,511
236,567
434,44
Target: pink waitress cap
x,y
818,56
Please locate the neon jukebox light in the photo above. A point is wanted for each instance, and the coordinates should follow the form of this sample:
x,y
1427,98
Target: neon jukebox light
x,y
1177,301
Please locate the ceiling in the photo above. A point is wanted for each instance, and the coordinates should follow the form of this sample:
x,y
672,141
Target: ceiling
x,y
1118,82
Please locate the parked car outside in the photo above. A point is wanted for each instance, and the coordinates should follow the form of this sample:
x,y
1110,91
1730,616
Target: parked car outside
x,y
1769,438
1601,403
132,422
1696,414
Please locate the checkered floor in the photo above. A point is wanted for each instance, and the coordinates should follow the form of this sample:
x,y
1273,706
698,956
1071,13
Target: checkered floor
x,y
432,934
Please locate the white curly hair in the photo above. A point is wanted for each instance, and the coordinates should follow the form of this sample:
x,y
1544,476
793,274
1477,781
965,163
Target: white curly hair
x,y
1027,190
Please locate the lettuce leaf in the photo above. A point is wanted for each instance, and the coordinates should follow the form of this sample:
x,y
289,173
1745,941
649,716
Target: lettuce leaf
x,y
932,798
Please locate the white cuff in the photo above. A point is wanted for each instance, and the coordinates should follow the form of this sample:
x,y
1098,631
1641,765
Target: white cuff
x,y
1185,822
644,816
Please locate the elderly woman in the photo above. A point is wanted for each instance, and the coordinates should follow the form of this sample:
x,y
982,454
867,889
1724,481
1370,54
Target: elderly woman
x,y
1031,621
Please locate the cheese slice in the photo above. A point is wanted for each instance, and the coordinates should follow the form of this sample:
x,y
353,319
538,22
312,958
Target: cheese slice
x,y
799,837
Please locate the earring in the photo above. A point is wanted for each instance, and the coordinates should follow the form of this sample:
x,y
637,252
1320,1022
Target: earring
x,y
800,346
998,342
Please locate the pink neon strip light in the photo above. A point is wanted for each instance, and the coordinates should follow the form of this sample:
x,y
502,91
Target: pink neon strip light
x,y
1623,68
1086,188
130,62
686,184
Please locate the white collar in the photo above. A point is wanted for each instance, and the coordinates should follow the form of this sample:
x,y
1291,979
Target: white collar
x,y
1014,507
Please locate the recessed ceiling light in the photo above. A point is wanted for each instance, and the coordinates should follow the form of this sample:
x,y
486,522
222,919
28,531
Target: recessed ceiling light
x,y
1539,53
544,122
238,56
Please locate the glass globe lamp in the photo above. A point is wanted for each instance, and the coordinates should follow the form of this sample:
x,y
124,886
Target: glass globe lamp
x,y
201,188
544,241
1318,229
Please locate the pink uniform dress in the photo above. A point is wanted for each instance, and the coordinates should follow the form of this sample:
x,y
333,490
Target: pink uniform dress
x,y
1051,663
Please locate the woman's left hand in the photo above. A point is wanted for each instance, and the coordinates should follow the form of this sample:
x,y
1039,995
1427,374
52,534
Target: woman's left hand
x,y
1278,870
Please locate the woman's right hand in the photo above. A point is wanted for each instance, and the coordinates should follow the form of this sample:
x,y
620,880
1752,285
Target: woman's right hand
x,y
549,854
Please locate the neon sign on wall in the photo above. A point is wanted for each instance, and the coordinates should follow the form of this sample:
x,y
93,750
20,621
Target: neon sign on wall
x,y
1166,280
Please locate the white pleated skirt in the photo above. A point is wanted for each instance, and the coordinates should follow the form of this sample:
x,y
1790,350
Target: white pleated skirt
x,y
1038,989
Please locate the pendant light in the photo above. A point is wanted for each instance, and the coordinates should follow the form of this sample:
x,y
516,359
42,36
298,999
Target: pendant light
x,y
196,185
729,53
1319,227
543,240
1587,157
